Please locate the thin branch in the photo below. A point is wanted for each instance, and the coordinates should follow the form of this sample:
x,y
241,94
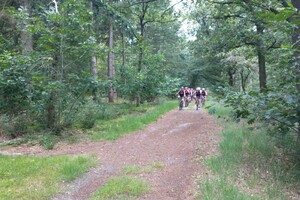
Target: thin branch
x,y
228,16
223,3
172,6
273,45
285,124
138,3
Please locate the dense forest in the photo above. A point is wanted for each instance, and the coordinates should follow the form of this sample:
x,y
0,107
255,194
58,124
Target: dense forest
x,y
60,60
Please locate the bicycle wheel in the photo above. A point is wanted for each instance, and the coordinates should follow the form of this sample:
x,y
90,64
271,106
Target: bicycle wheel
x,y
203,101
180,104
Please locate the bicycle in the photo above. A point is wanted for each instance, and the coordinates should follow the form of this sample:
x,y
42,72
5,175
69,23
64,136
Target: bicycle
x,y
187,101
181,100
197,103
203,100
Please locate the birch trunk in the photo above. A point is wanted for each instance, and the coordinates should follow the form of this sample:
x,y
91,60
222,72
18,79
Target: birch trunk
x,y
111,68
26,37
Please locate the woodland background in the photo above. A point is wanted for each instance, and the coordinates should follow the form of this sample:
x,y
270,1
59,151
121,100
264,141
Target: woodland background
x,y
63,61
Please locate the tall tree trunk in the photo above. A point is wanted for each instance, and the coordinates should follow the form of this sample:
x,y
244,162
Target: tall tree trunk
x,y
296,42
123,47
260,49
52,110
95,77
111,68
140,55
94,63
231,77
26,36
244,78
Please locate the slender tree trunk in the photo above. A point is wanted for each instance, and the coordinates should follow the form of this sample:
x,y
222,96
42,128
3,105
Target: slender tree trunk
x,y
94,63
231,77
51,110
260,49
123,47
296,42
26,36
95,77
111,68
140,57
244,78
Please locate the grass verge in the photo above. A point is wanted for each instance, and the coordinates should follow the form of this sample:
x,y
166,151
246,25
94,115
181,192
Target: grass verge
x,y
133,169
250,164
124,187
112,129
31,177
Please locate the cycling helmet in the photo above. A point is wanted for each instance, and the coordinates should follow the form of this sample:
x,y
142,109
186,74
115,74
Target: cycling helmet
x,y
198,88
203,88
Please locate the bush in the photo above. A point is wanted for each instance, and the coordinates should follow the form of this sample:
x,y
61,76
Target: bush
x,y
48,141
14,126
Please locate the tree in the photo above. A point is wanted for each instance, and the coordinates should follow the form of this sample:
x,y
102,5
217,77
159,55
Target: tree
x,y
111,68
26,37
246,26
145,13
296,43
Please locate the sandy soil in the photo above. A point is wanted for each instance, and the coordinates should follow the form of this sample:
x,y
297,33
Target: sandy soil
x,y
179,141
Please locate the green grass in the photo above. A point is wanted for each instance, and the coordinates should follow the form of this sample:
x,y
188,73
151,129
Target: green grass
x,y
249,163
220,190
115,128
124,187
31,177
127,187
133,169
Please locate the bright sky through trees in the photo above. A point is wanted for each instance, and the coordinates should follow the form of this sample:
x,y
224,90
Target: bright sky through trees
x,y
187,26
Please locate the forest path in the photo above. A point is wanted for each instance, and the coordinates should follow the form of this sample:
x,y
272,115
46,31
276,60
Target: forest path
x,y
178,141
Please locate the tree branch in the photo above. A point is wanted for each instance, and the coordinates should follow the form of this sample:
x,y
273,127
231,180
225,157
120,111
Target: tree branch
x,y
273,45
138,3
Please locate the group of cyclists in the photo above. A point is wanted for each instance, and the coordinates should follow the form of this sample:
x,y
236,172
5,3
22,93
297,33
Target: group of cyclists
x,y
186,95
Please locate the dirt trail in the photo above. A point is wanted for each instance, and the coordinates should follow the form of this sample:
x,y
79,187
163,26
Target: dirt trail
x,y
179,140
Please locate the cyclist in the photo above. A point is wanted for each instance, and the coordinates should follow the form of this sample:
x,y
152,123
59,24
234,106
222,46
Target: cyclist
x,y
181,94
187,96
204,95
197,94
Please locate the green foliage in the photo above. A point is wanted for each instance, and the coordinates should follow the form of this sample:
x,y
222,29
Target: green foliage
x,y
48,141
30,177
15,82
53,82
150,82
249,157
13,126
277,107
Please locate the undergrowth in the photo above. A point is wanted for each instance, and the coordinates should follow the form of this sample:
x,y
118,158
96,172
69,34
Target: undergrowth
x,y
251,164
100,122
